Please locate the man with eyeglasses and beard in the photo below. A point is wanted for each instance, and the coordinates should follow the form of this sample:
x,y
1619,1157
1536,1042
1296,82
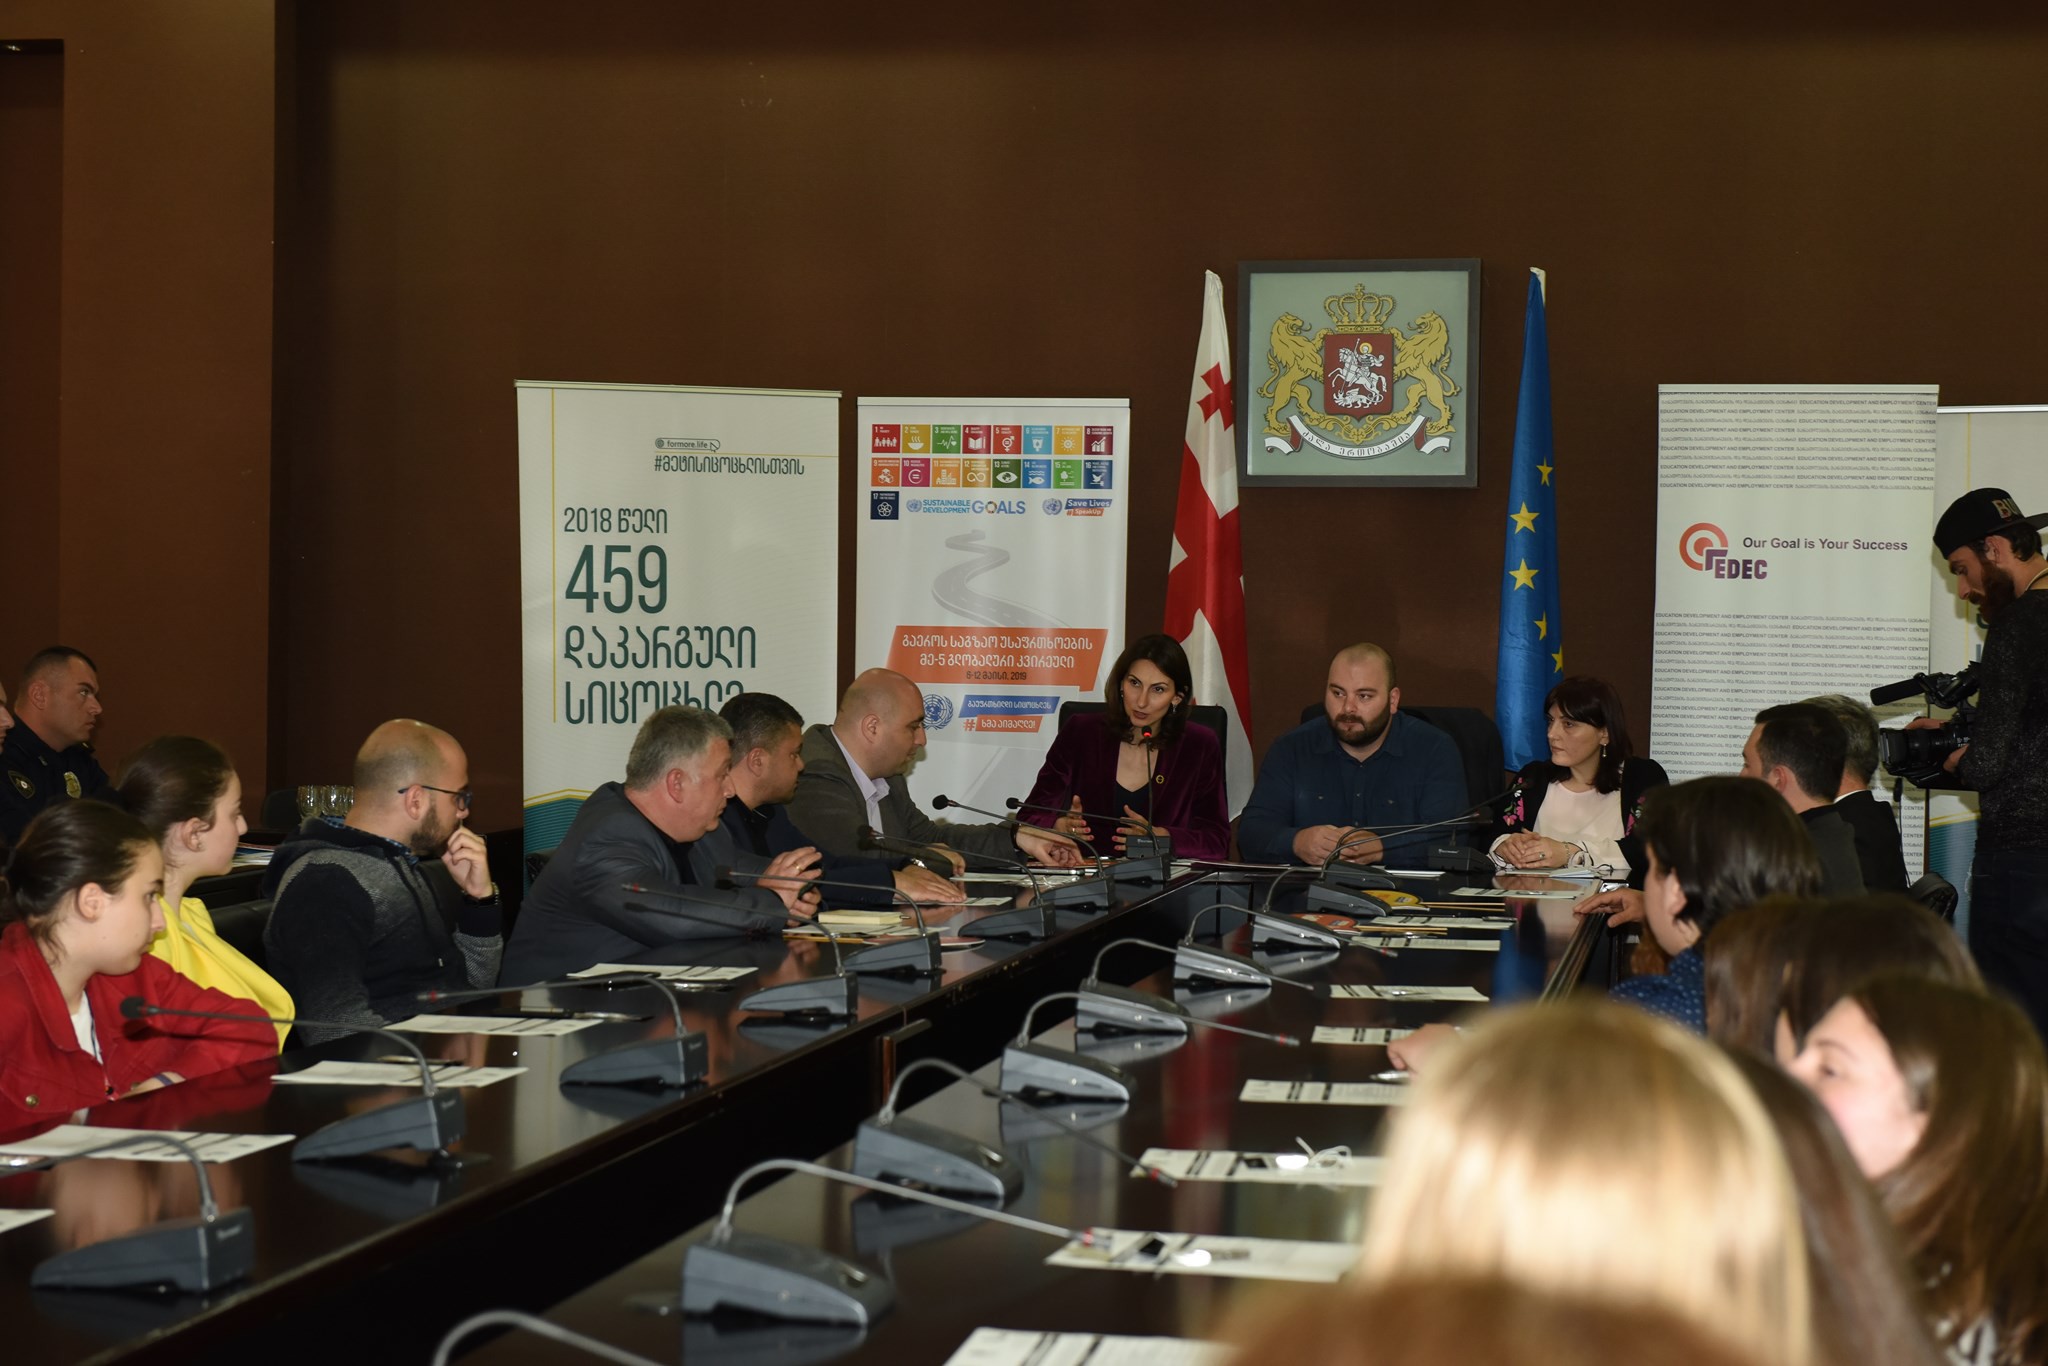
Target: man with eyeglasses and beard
x,y
1360,767
361,922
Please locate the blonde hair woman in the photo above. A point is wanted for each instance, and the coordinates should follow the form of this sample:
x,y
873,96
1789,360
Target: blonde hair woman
x,y
1592,1149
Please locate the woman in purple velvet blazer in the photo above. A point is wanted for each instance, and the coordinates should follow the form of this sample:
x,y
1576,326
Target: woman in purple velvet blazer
x,y
1140,758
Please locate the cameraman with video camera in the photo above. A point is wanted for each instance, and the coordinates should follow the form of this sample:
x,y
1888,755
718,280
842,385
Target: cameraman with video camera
x,y
1994,551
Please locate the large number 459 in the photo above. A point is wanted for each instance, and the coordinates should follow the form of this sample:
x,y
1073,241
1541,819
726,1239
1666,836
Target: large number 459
x,y
625,576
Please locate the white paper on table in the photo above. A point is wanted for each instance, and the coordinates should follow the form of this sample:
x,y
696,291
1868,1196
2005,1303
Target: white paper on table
x,y
1437,922
1282,1169
667,972
330,1073
490,1024
1414,872
1206,1254
1352,991
15,1218
1362,1035
1327,1092
1554,894
69,1140
991,901
1425,941
1017,1347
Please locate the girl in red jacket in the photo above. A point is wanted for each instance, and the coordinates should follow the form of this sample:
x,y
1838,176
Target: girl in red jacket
x,y
80,905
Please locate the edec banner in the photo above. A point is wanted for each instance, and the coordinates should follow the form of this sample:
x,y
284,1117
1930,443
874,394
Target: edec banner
x,y
676,545
991,553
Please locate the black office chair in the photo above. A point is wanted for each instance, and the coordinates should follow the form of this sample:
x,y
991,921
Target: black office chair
x,y
280,810
1473,732
1937,894
242,925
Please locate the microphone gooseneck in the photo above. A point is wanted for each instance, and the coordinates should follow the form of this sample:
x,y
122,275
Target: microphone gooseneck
x,y
942,802
512,1318
997,1093
723,1230
209,1211
135,1008
730,877
871,838
435,996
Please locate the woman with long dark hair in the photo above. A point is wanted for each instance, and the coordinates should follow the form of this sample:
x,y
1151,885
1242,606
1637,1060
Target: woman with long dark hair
x,y
1138,763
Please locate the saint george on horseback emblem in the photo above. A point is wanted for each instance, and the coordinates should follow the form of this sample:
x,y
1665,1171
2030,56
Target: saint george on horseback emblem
x,y
1375,375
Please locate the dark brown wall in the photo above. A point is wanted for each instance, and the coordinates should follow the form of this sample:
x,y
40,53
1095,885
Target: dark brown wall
x,y
160,523
31,253
926,201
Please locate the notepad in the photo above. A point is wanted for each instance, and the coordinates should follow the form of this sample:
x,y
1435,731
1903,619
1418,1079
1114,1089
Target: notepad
x,y
1191,1254
1282,1169
1019,1347
1326,1092
489,1024
69,1140
667,972
1361,1035
859,920
330,1073
1351,991
15,1218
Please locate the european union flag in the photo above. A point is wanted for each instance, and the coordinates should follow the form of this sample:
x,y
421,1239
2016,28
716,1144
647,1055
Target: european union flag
x,y
1531,654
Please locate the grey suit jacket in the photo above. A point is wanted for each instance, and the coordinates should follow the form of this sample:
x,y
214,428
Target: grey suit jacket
x,y
579,912
829,808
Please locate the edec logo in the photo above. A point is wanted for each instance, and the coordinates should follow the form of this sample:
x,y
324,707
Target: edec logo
x,y
1704,546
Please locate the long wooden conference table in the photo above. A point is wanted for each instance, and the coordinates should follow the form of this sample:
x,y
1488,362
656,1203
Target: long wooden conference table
x,y
559,1187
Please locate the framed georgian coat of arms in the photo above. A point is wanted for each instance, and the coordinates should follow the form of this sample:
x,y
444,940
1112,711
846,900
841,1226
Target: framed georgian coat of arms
x,y
1358,372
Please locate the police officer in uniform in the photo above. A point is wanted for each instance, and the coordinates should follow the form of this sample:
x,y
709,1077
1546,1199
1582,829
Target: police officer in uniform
x,y
47,757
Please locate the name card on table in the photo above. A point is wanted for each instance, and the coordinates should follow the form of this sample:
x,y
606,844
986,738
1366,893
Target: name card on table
x,y
1205,1254
1350,991
667,972
15,1218
1014,1347
1326,1092
490,1024
1418,941
330,1073
69,1140
1362,1036
1273,1169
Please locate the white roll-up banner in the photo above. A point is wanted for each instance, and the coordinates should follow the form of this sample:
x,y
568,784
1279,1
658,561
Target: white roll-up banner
x,y
991,567
677,545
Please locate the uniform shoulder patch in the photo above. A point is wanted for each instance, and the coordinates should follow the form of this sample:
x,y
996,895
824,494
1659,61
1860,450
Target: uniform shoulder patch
x,y
22,782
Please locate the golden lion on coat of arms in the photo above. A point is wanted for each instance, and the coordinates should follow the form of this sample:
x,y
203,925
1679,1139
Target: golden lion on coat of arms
x,y
1294,360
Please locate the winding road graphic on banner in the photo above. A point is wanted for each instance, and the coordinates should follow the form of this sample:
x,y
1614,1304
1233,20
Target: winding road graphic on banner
x,y
950,589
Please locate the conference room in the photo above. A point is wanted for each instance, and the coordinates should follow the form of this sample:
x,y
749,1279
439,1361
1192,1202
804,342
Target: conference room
x,y
1140,620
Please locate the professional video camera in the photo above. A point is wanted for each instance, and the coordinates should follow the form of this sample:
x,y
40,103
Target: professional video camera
x,y
1917,755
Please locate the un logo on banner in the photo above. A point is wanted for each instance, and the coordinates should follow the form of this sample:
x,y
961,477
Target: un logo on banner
x,y
882,505
938,711
1052,507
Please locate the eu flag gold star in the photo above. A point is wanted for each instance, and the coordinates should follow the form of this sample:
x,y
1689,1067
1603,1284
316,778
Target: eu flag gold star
x,y
1543,471
1559,657
1543,628
1524,520
1524,576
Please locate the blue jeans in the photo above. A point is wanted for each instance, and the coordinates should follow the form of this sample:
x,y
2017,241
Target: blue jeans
x,y
2009,926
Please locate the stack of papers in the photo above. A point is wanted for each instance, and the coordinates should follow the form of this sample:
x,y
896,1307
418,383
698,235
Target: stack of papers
x,y
394,1074
69,1140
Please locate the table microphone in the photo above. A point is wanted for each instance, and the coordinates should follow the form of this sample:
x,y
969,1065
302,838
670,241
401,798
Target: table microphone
x,y
195,1254
919,955
893,1147
512,1318
429,1121
836,996
1148,864
783,1280
1126,1010
942,802
1083,893
1036,1069
1193,963
672,1062
926,854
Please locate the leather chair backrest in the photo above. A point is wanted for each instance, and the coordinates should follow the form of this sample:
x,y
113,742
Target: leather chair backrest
x,y
1477,739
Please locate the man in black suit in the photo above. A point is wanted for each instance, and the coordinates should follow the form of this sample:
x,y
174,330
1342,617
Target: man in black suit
x,y
1874,823
1797,748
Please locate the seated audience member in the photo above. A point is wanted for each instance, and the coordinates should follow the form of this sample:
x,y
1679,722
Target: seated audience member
x,y
1469,1321
80,907
1941,1094
1579,808
767,759
658,829
1139,761
1875,824
1745,966
186,793
1362,767
1858,939
1643,1171
1867,1306
853,779
47,754
357,929
1799,750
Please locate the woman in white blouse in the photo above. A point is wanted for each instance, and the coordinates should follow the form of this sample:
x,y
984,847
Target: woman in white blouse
x,y
1578,809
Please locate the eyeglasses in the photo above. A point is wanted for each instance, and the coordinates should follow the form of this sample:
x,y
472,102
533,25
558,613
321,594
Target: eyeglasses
x,y
461,796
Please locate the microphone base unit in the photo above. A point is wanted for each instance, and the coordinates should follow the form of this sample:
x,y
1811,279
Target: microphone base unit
x,y
1192,963
1293,933
1034,1069
1140,869
1033,922
781,1280
914,1153
671,1063
1126,1050
1322,896
185,1254
1104,1008
1292,960
1148,846
426,1122
824,997
1457,859
919,955
1356,876
1082,894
